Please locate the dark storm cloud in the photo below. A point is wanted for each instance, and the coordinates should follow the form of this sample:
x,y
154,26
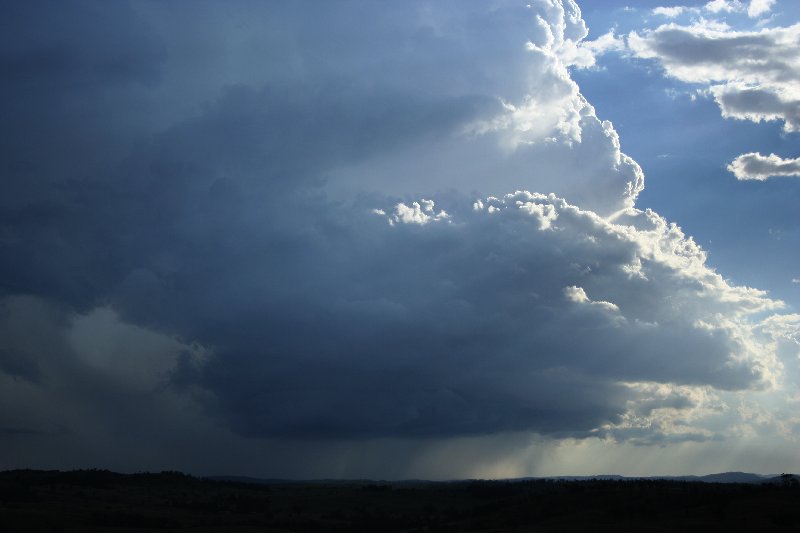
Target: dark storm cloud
x,y
71,76
131,246
60,46
228,175
19,365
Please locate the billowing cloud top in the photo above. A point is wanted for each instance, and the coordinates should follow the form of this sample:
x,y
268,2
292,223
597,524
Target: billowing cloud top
x,y
261,221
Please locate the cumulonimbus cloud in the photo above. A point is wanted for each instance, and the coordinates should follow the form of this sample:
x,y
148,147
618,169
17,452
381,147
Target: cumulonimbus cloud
x,y
333,238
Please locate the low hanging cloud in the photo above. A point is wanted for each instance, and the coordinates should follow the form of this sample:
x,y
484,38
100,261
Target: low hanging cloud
x,y
417,229
754,166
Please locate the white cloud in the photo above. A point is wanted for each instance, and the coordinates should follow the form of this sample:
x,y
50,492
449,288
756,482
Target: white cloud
x,y
608,42
758,103
717,6
665,413
755,9
669,12
752,75
420,213
578,295
754,166
759,7
575,294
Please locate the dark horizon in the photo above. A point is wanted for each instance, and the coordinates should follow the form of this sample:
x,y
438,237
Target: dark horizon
x,y
96,501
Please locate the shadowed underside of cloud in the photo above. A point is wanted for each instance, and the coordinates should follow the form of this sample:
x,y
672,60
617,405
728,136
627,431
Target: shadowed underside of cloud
x,y
326,246
477,324
520,313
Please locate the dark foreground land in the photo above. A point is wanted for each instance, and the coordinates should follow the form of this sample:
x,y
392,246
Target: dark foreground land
x,y
96,500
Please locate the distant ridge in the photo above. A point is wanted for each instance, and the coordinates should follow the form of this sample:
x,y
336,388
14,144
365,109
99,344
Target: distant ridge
x,y
723,477
732,477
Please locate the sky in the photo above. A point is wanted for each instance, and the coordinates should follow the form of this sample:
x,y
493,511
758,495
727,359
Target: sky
x,y
417,239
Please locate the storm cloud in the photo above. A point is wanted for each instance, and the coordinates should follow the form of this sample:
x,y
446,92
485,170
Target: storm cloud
x,y
244,223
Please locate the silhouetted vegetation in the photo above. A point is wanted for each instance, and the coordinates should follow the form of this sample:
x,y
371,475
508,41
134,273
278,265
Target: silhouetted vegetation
x,y
97,500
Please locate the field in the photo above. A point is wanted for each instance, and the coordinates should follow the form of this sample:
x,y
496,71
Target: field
x,y
97,500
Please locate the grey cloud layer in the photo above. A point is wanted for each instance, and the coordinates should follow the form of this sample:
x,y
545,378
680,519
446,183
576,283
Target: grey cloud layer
x,y
214,247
